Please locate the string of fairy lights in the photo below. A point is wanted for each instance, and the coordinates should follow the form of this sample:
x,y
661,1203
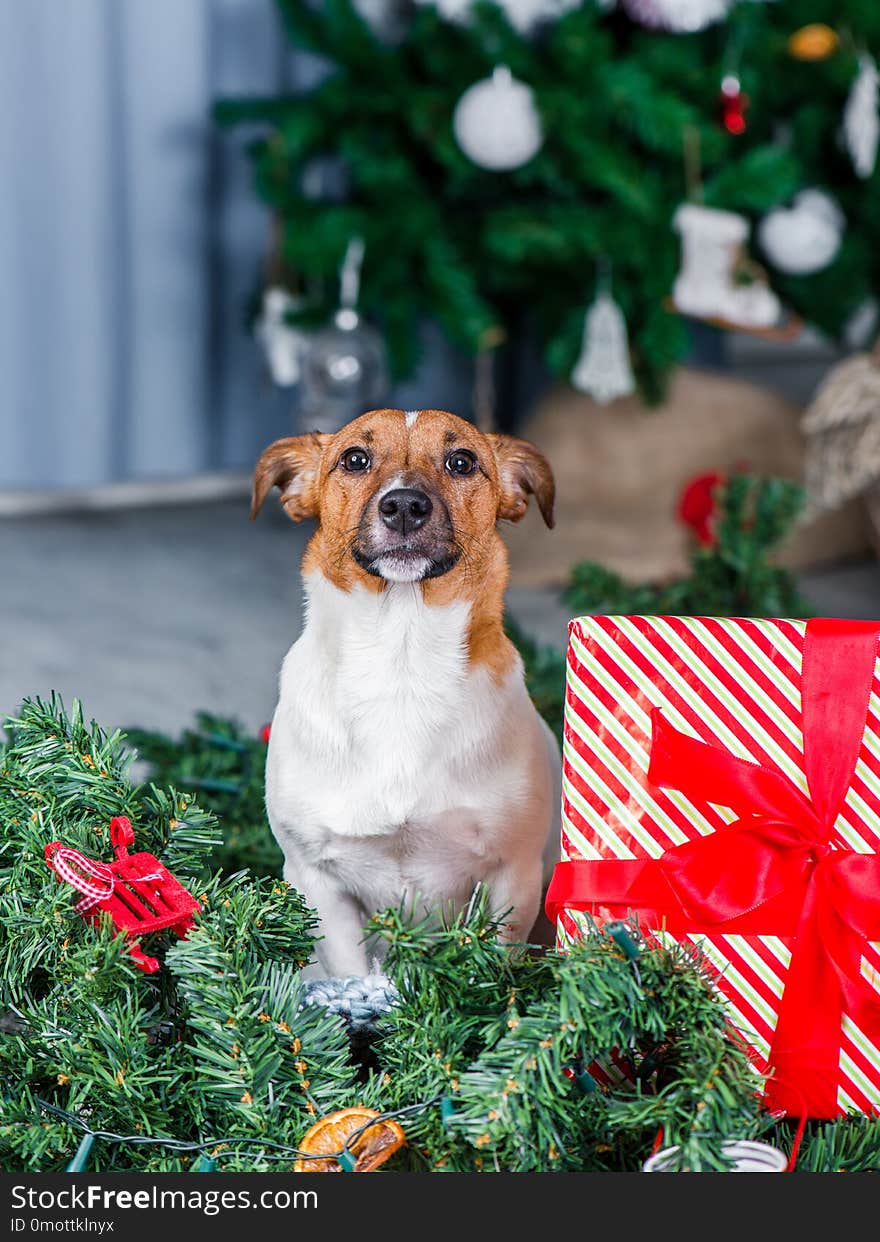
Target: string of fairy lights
x,y
212,1149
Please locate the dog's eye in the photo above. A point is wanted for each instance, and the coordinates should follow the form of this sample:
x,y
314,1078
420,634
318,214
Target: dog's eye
x,y
461,461
355,460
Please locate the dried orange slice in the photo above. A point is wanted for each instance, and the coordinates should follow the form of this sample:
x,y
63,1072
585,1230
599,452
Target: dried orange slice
x,y
329,1136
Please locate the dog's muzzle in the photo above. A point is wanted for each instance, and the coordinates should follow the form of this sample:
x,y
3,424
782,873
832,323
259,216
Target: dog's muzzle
x,y
405,536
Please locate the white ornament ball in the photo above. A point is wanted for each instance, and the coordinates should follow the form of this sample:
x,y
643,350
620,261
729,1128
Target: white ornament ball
x,y
496,123
805,237
679,16
523,15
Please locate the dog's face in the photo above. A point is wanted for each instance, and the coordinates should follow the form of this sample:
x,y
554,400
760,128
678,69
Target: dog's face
x,y
405,497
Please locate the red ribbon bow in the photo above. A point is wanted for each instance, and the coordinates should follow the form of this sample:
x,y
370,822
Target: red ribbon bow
x,y
774,871
95,880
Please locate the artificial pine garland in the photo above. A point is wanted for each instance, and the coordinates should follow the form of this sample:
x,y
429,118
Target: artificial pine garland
x,y
216,1062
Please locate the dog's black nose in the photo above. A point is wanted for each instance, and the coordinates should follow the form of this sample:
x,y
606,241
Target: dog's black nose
x,y
405,509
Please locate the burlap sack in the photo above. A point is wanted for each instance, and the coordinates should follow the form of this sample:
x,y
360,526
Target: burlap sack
x,y
620,470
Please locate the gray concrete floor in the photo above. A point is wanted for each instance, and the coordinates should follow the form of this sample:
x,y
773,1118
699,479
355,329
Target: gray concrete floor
x,y
150,615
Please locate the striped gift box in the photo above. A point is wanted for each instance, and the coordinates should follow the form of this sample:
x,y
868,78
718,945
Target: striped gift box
x,y
735,684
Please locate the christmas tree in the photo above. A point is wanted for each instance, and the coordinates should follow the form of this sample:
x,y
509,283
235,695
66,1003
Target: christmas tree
x,y
612,116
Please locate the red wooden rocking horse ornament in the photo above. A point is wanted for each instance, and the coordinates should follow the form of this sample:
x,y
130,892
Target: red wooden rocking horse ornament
x,y
139,894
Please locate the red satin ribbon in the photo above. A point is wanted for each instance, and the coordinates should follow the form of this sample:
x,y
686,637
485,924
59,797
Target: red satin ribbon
x,y
773,871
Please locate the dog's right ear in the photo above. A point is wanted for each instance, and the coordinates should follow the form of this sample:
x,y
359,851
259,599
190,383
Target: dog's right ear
x,y
292,465
523,471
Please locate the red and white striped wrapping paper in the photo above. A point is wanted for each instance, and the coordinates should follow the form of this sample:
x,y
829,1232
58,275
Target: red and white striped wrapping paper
x,y
733,684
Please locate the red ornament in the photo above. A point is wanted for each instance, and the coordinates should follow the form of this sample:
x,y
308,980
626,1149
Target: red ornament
x,y
139,894
733,105
697,507
265,732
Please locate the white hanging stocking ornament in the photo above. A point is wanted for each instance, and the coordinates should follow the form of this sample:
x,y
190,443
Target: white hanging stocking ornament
x,y
861,117
603,370
705,288
496,123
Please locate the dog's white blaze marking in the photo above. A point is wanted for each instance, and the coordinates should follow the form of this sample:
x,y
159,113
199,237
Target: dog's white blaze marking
x,y
411,416
391,485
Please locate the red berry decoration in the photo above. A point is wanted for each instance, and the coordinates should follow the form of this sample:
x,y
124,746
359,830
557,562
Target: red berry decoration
x,y
265,732
139,894
733,105
697,506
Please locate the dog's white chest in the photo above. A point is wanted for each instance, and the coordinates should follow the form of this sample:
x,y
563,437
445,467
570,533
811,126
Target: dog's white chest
x,y
387,744
374,698
399,671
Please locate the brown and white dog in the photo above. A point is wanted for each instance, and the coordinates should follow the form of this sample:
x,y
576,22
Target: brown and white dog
x,y
406,759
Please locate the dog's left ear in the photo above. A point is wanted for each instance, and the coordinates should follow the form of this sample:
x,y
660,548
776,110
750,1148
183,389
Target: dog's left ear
x,y
292,465
522,472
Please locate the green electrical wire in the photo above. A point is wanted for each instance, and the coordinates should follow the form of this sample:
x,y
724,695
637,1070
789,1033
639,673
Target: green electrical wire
x,y
207,1164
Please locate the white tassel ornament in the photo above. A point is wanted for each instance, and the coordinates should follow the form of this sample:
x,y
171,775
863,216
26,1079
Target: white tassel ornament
x,y
282,344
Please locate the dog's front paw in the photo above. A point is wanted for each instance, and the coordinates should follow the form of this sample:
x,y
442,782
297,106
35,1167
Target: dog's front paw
x,y
361,1000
